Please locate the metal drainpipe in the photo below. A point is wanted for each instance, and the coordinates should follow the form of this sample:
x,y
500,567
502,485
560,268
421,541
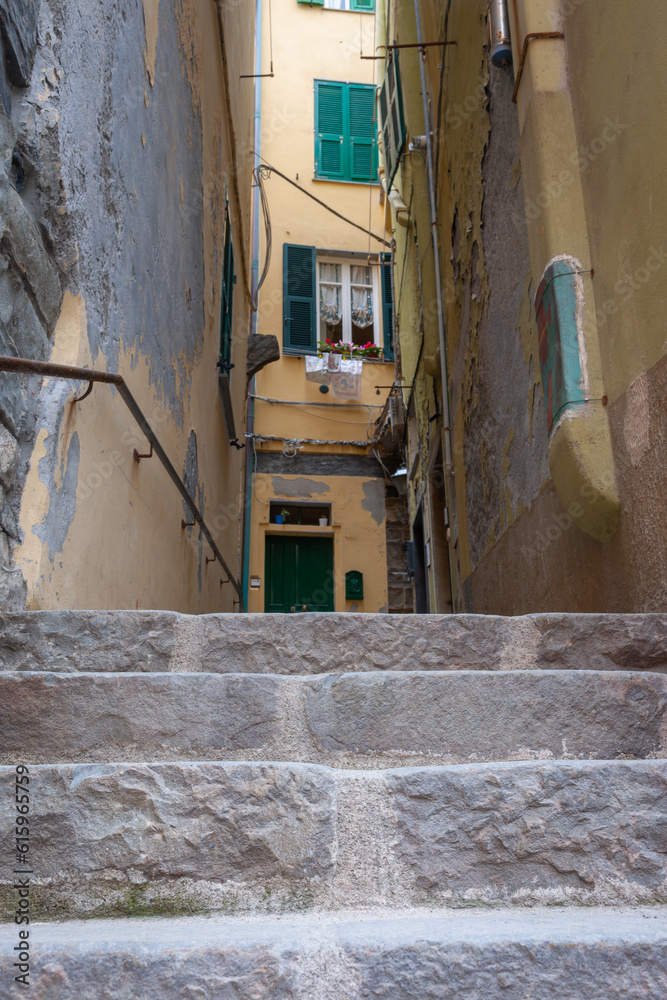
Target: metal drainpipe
x,y
254,278
449,472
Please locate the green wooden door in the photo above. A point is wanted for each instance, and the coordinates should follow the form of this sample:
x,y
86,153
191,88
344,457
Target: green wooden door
x,y
299,574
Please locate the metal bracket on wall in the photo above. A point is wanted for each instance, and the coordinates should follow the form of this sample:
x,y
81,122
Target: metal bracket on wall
x,y
30,366
187,524
138,457
79,399
530,37
212,559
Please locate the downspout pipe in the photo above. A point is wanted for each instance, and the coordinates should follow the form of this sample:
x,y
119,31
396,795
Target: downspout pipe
x,y
436,255
254,279
449,469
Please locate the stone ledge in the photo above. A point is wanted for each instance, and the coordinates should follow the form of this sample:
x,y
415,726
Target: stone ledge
x,y
127,839
325,643
364,720
498,955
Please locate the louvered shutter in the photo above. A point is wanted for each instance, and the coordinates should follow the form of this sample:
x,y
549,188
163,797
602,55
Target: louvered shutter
x,y
387,307
312,3
228,279
299,293
363,133
391,118
362,5
329,129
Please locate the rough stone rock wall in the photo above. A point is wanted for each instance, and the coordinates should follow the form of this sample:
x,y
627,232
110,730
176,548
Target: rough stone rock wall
x,y
116,167
398,534
30,277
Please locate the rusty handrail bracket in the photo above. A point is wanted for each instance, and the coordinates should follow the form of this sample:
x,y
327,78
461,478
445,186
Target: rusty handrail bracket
x,y
530,37
80,399
138,456
27,366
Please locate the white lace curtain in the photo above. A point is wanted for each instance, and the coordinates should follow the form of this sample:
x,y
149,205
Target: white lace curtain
x,y
362,296
330,297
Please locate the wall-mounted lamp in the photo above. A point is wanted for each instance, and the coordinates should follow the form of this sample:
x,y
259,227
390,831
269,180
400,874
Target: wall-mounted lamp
x,y
400,481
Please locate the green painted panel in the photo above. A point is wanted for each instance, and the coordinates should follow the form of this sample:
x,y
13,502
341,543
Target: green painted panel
x,y
556,311
299,574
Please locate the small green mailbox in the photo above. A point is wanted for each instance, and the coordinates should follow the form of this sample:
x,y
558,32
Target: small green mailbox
x,y
354,585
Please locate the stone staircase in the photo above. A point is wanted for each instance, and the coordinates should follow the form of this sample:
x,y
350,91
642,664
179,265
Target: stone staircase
x,y
337,807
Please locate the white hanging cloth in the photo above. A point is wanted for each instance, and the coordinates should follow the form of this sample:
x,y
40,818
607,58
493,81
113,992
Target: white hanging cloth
x,y
342,374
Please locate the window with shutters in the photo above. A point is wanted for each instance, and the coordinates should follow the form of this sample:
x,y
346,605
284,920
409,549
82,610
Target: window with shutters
x,y
345,132
228,280
392,124
336,298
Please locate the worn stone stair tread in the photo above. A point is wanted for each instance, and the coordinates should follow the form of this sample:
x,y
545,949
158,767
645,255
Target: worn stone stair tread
x,y
123,839
332,642
374,720
580,954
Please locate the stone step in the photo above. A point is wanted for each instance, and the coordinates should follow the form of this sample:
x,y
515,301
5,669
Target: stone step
x,y
138,839
328,643
581,954
372,720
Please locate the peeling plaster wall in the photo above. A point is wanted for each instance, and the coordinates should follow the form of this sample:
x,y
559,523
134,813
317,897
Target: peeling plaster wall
x,y
516,549
127,150
358,529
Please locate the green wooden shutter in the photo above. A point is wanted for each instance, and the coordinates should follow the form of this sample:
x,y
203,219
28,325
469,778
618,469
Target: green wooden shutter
x,y
362,5
330,129
363,165
299,294
312,3
228,279
391,118
387,307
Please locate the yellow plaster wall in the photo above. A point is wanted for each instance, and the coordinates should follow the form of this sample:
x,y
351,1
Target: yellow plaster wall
x,y
359,537
125,546
620,114
311,43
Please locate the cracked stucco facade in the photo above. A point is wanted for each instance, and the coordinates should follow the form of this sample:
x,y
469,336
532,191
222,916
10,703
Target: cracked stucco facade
x,y
116,167
513,547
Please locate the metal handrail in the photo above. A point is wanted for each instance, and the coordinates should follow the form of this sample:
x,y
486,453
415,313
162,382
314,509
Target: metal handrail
x,y
27,366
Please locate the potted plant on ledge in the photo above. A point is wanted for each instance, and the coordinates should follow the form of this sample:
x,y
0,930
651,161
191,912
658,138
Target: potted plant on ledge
x,y
369,351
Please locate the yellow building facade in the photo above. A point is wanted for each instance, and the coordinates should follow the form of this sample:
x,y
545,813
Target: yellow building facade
x,y
317,443
532,346
140,172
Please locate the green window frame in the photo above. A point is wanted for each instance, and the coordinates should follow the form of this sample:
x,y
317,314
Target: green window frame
x,y
299,299
345,132
392,122
387,306
227,299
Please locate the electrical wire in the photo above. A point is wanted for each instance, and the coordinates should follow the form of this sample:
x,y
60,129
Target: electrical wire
x,y
301,441
333,211
259,173
315,402
291,402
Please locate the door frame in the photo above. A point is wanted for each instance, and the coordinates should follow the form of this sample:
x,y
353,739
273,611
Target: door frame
x,y
308,539
334,531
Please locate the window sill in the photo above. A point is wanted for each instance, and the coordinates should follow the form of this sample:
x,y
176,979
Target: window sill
x,y
314,354
340,180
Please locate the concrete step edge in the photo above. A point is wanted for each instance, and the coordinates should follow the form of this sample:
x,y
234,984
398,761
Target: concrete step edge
x,y
497,954
366,720
172,839
318,643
